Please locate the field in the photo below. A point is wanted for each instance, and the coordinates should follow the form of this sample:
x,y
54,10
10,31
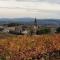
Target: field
x,y
24,47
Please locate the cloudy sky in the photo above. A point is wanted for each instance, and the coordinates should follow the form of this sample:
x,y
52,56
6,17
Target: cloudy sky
x,y
30,8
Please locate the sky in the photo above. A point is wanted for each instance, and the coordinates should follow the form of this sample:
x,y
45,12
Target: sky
x,y
43,9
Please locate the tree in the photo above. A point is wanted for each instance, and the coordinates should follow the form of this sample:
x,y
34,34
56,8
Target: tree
x,y
12,24
43,31
1,29
58,30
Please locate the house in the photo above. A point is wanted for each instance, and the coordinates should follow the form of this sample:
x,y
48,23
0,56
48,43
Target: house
x,y
22,29
6,30
18,29
25,32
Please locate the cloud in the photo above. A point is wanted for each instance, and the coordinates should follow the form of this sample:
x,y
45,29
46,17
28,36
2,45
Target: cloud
x,y
42,9
31,6
52,1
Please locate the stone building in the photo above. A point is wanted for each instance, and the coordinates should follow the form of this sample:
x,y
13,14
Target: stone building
x,y
35,26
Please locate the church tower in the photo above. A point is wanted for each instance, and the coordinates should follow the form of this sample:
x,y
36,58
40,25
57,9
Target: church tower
x,y
35,22
35,26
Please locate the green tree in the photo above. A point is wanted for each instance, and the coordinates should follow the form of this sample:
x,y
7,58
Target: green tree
x,y
43,31
58,30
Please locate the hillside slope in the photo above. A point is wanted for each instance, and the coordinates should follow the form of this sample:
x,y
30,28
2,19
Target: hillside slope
x,y
18,47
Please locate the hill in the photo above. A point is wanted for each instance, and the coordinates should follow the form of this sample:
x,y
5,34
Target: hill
x,y
30,21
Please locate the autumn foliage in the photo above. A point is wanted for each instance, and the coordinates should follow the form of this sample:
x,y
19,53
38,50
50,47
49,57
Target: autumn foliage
x,y
25,47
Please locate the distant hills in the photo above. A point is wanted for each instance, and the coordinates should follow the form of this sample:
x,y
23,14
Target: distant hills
x,y
30,21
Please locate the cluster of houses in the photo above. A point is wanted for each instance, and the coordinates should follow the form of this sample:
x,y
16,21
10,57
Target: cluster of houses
x,y
25,29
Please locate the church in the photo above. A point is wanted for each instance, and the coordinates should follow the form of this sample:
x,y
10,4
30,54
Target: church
x,y
35,27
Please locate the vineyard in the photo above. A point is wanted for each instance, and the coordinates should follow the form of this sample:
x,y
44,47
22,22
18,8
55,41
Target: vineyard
x,y
27,47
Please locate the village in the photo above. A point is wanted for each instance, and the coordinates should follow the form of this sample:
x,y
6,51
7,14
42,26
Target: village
x,y
27,29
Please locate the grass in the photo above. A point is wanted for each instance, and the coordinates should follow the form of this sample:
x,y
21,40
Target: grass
x,y
26,47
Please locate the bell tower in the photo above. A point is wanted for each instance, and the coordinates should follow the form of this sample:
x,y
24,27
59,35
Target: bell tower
x,y
35,22
35,26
